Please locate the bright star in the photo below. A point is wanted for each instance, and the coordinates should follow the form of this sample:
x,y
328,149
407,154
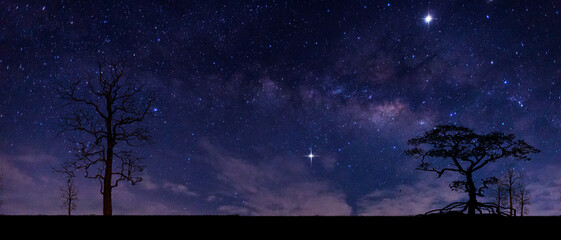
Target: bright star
x,y
428,18
311,156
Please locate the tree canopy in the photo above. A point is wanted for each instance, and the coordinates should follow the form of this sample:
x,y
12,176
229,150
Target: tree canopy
x,y
450,148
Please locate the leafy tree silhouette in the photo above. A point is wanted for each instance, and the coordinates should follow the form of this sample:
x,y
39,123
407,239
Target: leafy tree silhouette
x,y
450,148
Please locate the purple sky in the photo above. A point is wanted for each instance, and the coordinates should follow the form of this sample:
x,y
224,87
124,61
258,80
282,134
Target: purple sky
x,y
247,89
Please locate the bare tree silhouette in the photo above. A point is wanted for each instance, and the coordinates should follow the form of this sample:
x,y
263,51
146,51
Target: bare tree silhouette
x,y
451,148
523,199
509,181
69,195
510,192
499,193
105,110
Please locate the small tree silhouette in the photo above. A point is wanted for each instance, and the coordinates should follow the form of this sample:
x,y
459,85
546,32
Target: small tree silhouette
x,y
458,149
69,195
510,192
523,199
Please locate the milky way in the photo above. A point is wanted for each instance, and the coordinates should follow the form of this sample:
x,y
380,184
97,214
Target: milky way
x,y
247,89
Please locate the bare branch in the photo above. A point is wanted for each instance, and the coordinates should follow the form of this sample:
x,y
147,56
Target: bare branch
x,y
108,108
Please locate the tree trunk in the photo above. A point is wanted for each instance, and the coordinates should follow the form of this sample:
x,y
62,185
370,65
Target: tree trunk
x,y
510,197
107,206
472,202
499,197
69,206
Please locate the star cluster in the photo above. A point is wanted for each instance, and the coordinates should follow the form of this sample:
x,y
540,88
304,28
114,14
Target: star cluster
x,y
246,89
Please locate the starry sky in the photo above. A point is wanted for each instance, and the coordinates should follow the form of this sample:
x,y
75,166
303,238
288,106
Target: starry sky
x,y
247,89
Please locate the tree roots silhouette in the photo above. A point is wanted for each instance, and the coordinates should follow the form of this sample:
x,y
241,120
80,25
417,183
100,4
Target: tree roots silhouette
x,y
481,208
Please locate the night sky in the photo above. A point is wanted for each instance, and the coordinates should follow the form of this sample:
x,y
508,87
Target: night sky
x,y
247,89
